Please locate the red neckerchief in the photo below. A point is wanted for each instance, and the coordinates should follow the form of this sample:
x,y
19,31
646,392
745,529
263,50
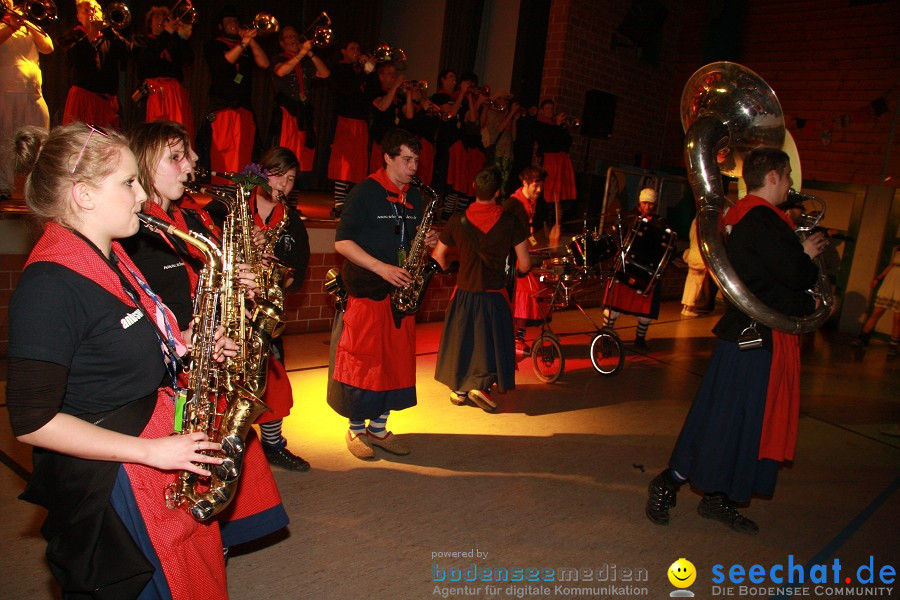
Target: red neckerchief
x,y
528,204
61,246
228,41
177,219
782,413
298,72
275,217
394,194
187,202
483,216
748,203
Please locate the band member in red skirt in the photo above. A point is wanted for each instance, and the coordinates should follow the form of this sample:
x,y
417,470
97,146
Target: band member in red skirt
x,y
373,363
526,312
619,297
228,133
422,117
94,51
295,68
349,160
90,389
278,226
553,144
165,160
161,56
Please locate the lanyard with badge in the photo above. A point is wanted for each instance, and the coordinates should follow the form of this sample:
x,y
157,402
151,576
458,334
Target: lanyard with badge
x,y
400,229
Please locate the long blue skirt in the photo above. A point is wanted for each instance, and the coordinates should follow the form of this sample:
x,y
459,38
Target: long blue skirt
x,y
478,346
718,447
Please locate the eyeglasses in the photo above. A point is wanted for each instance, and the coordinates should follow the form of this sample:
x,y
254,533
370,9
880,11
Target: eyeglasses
x,y
94,130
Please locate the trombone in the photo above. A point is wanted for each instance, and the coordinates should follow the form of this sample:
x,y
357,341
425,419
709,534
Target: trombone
x,y
384,53
116,15
39,10
322,35
264,23
183,11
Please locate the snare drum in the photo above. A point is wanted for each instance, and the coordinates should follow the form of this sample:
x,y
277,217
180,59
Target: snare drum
x,y
558,264
591,250
565,268
648,249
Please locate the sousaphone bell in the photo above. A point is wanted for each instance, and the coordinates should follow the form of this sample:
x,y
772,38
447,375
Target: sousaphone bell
x,y
727,110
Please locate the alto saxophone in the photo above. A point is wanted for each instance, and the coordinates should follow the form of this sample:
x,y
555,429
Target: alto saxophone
x,y
254,324
271,276
407,299
204,497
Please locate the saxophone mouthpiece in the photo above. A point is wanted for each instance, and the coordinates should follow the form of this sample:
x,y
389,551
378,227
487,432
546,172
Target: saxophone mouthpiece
x,y
154,222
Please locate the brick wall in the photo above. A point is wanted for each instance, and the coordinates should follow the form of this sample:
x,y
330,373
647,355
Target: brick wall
x,y
580,57
827,61
10,271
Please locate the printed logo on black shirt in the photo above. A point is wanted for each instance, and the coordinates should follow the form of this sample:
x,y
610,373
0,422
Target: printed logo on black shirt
x,y
131,318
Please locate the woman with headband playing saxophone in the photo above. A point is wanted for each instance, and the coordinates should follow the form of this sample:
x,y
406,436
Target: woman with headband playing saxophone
x,y
279,232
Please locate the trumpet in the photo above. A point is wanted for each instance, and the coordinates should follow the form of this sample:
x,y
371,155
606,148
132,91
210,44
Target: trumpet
x,y
480,91
264,23
497,105
39,10
183,11
435,111
322,35
420,85
571,122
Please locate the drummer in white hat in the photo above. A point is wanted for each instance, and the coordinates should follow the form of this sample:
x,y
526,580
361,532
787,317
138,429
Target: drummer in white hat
x,y
620,298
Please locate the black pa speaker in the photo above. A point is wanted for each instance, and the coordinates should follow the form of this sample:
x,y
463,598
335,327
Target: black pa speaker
x,y
599,113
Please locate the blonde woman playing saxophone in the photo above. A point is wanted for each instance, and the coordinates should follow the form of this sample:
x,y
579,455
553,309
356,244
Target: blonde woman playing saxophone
x,y
91,348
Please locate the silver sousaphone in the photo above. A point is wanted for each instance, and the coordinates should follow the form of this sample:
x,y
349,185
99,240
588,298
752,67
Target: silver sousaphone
x,y
726,111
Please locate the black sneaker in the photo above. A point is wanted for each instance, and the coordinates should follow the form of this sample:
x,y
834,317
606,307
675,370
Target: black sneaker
x,y
661,498
719,508
641,343
285,459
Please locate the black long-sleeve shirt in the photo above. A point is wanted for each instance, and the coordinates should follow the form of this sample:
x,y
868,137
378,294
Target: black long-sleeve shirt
x,y
163,55
769,259
95,65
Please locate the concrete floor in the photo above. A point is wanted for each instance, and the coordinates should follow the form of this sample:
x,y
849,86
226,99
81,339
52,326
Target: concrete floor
x,y
555,479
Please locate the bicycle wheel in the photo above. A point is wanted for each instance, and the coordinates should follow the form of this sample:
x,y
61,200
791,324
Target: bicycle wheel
x,y
547,358
607,354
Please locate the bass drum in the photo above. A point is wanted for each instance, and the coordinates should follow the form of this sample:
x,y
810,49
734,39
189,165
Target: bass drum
x,y
648,249
591,250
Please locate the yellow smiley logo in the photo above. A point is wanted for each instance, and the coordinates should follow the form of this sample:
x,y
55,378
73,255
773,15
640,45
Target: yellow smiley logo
x,y
682,573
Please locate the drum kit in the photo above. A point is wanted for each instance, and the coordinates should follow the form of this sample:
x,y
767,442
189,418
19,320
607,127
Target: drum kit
x,y
640,257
